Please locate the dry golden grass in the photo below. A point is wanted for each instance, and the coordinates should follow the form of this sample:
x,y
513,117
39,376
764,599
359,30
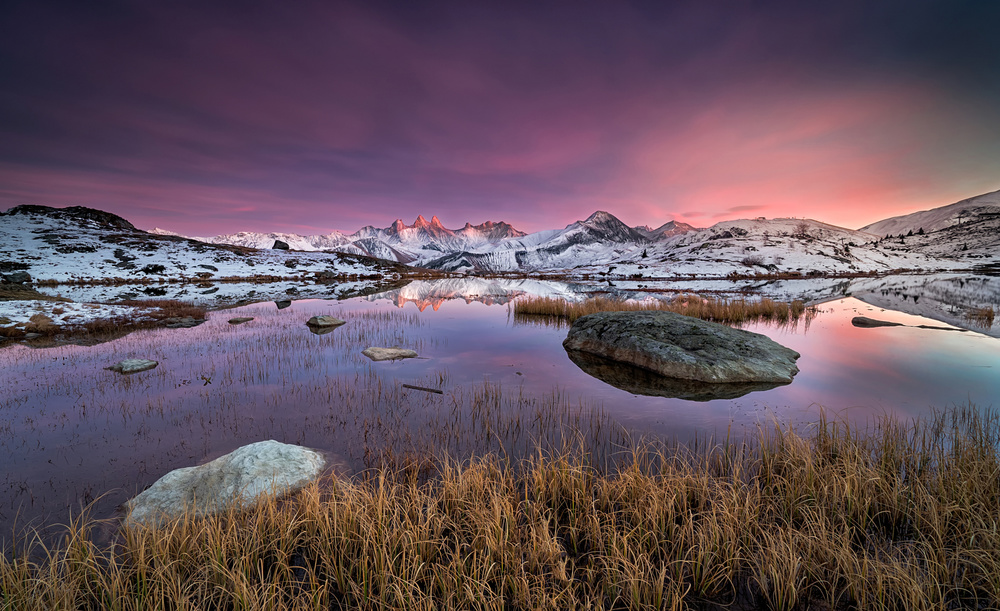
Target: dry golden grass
x,y
902,517
727,311
981,317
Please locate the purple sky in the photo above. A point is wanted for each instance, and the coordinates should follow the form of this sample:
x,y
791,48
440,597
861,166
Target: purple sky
x,y
311,116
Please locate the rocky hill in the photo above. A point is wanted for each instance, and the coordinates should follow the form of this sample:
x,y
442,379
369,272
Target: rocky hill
x,y
74,245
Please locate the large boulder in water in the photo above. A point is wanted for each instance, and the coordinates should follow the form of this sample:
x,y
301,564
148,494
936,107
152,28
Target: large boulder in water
x,y
241,477
683,347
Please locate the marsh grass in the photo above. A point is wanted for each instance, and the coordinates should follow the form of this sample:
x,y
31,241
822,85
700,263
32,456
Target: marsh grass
x,y
727,311
981,317
899,516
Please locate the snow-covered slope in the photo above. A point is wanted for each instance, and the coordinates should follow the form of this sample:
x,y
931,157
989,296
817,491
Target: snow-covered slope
x,y
65,245
964,211
752,246
666,230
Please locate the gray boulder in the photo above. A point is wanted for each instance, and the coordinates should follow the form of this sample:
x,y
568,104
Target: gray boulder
x,y
16,278
325,321
279,245
239,478
388,354
133,365
682,347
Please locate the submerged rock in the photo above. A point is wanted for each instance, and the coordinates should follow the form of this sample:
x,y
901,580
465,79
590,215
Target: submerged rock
x,y
240,478
388,354
183,323
239,320
325,321
133,365
865,322
282,304
683,347
639,381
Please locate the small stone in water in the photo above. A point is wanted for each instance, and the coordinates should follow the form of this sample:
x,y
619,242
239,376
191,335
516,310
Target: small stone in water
x,y
133,365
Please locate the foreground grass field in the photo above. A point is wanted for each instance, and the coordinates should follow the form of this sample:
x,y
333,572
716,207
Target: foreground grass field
x,y
900,517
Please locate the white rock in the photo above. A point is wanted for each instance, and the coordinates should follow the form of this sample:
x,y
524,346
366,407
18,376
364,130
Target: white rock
x,y
133,365
241,477
388,354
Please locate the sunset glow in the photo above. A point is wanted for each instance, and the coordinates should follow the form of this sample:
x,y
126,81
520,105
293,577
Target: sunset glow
x,y
334,116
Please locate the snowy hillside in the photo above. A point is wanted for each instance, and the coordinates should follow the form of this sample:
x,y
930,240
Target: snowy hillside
x,y
666,230
66,245
762,246
938,218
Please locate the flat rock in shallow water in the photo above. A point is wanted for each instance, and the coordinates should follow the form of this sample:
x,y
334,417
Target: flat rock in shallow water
x,y
133,365
239,320
388,354
325,321
865,322
682,347
240,478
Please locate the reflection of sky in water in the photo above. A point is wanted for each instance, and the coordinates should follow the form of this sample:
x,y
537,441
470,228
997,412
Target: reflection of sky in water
x,y
70,430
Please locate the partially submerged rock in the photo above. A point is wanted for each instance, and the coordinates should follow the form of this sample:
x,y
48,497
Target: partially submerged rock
x,y
388,354
185,322
865,322
239,320
133,365
325,321
239,478
683,347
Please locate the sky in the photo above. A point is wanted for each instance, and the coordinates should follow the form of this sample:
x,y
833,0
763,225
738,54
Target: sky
x,y
308,116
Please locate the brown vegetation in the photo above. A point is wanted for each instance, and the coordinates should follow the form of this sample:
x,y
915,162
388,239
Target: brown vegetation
x,y
903,517
981,317
728,311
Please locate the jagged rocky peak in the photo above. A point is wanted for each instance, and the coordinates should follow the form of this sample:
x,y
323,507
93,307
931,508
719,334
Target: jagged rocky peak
x,y
74,213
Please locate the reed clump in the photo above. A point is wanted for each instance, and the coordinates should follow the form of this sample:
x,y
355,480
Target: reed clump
x,y
897,517
981,317
727,311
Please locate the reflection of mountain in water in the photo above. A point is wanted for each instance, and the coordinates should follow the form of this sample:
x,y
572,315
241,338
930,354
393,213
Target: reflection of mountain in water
x,y
944,297
490,291
639,381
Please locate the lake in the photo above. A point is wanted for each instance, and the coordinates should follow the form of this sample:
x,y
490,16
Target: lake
x,y
73,433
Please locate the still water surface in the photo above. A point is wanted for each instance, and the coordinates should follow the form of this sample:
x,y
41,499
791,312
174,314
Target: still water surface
x,y
72,432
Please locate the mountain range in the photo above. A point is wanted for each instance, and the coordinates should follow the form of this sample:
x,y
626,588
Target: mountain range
x,y
960,235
